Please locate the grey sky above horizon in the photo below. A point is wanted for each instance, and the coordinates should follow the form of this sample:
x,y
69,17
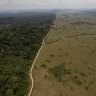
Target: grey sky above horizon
x,y
46,4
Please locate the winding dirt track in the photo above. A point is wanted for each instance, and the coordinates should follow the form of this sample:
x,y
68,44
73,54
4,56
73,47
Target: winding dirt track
x,y
32,81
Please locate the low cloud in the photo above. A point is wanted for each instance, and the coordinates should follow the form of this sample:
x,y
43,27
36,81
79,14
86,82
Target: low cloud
x,y
48,4
4,1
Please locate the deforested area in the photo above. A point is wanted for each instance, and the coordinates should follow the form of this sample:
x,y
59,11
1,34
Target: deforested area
x,y
66,65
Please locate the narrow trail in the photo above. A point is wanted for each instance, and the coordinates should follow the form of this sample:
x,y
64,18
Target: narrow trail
x,y
31,77
32,81
53,41
65,37
80,35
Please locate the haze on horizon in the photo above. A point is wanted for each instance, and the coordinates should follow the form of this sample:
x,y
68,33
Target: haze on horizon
x,y
47,4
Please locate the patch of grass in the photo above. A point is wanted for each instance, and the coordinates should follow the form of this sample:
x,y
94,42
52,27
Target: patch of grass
x,y
60,49
61,95
82,74
76,71
85,62
47,60
71,87
64,81
45,76
86,88
66,54
35,67
76,38
59,56
76,80
70,62
43,65
52,55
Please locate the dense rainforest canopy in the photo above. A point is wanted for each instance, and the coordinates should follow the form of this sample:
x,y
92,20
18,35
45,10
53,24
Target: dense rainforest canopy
x,y
20,38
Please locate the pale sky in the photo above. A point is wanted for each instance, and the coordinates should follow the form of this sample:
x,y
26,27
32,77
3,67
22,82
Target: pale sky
x,y
46,4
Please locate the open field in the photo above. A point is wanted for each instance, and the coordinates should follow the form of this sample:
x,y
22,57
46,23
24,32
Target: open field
x,y
66,65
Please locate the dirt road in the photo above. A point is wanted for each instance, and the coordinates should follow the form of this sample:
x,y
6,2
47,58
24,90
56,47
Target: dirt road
x,y
32,81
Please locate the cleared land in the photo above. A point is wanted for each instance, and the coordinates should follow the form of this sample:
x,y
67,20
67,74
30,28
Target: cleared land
x,y
66,65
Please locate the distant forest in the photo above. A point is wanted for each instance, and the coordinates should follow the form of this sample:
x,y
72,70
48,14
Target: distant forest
x,y
20,38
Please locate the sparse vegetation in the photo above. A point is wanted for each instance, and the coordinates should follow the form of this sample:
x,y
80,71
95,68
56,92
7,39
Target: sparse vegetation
x,y
76,80
60,71
76,76
82,74
52,55
47,60
43,65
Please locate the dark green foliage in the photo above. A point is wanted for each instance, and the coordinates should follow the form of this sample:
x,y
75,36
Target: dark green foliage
x,y
52,55
71,87
64,75
61,95
45,76
19,44
60,49
76,80
66,54
82,74
60,71
76,71
47,60
43,65
86,88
